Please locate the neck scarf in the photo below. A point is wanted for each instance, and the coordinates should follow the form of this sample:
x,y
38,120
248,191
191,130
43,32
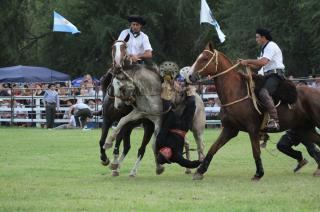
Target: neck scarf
x,y
135,34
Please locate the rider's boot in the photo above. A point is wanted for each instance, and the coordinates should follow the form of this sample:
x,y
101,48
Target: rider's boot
x,y
273,123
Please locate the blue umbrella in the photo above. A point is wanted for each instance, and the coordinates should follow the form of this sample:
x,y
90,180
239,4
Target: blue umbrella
x,y
31,74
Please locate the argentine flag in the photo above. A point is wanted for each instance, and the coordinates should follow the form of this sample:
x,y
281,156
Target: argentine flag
x,y
60,24
206,16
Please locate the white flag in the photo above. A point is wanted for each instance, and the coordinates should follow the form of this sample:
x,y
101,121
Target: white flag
x,y
206,16
60,24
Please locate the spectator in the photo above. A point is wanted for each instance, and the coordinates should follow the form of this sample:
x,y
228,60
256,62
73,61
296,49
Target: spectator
x,y
70,125
4,90
38,91
82,111
83,90
52,104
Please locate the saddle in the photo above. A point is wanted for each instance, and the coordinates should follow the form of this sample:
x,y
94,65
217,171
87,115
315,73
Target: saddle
x,y
286,91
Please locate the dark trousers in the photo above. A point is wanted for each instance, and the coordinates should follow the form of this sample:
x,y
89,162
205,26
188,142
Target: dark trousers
x,y
268,89
292,139
83,114
272,83
50,114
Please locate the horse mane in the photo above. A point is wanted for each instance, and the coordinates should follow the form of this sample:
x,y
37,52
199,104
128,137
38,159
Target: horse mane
x,y
225,57
136,67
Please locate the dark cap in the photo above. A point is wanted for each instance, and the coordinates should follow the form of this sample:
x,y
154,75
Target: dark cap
x,y
264,32
137,18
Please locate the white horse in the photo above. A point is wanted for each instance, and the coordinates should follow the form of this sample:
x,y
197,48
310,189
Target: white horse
x,y
141,88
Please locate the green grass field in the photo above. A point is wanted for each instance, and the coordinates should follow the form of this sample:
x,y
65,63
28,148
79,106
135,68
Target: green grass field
x,y
43,170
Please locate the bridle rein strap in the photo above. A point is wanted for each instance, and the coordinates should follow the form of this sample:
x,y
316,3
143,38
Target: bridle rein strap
x,y
215,55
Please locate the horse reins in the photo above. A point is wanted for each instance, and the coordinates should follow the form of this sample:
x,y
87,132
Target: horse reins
x,y
215,54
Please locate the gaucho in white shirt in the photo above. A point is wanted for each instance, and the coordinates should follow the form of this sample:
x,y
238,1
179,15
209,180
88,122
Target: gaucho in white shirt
x,y
271,62
139,48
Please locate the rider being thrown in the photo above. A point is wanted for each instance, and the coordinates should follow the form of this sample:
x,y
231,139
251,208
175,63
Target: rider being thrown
x,y
171,138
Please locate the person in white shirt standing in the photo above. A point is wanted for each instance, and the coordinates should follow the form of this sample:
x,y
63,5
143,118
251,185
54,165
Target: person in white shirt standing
x,y
139,48
271,61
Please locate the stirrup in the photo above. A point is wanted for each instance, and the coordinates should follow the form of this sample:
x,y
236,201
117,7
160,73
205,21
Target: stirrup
x,y
273,125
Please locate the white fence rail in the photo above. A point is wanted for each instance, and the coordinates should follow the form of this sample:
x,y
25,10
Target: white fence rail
x,y
34,111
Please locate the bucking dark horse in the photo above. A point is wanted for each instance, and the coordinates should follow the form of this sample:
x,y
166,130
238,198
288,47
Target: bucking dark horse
x,y
232,90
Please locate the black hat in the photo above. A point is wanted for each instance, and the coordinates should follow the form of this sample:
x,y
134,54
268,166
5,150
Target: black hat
x,y
264,32
137,18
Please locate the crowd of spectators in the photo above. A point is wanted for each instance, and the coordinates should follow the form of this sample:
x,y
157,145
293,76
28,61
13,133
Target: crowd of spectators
x,y
89,89
68,94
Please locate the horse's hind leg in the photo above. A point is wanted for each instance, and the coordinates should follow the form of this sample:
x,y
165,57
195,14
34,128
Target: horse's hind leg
x,y
187,148
148,132
225,136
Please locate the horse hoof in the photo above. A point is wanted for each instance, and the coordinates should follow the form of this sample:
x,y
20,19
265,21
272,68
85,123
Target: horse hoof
x,y
115,173
160,170
317,173
105,162
114,166
188,171
107,146
197,176
255,178
132,175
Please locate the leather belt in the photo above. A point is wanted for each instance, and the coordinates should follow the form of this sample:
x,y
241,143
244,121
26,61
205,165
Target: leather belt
x,y
178,132
274,71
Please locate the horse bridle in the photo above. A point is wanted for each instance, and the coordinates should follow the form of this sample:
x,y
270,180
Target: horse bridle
x,y
112,51
215,54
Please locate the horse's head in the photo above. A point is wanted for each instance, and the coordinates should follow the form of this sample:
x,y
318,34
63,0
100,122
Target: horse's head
x,y
124,92
206,64
119,53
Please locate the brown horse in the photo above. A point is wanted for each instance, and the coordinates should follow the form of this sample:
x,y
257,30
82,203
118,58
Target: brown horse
x,y
238,112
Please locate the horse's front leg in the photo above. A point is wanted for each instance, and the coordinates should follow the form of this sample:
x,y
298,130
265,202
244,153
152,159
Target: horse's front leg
x,y
148,132
104,133
132,116
157,124
187,149
125,136
225,136
255,144
198,136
